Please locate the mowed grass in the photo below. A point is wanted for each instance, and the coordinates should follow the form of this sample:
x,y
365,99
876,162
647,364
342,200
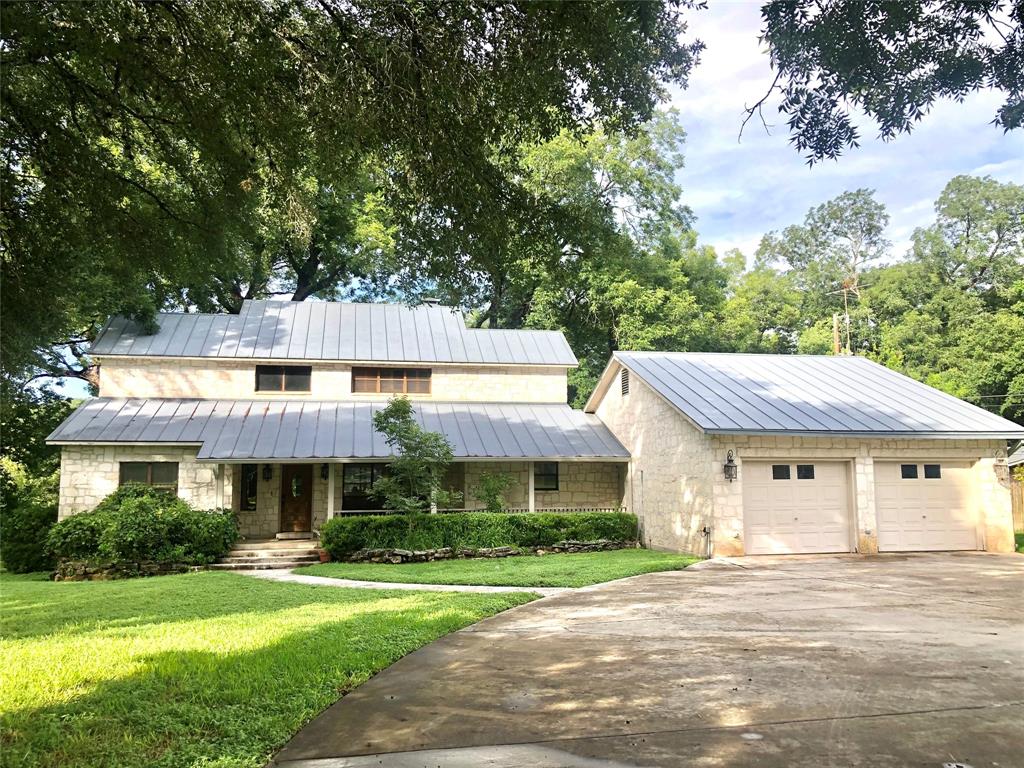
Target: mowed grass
x,y
206,669
577,570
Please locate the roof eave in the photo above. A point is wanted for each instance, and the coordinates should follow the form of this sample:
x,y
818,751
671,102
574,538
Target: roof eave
x,y
870,434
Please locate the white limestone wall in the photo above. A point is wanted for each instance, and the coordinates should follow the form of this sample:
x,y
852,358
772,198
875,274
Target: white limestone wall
x,y
581,484
669,484
88,473
236,379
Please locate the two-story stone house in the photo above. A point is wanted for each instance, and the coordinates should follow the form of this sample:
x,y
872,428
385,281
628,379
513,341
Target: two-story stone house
x,y
270,412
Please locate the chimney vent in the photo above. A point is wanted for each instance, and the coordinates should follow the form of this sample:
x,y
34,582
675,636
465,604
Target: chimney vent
x,y
430,301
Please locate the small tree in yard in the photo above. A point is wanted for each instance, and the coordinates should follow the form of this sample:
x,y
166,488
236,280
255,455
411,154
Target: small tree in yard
x,y
489,490
413,482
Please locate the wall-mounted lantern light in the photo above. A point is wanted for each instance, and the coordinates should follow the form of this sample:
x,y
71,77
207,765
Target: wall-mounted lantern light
x,y
324,471
268,472
730,468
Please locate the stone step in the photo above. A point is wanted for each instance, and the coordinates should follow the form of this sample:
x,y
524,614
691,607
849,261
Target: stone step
x,y
292,552
277,544
259,565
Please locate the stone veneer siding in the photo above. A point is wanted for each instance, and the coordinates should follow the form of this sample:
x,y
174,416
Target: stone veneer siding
x,y
236,379
581,484
88,473
676,485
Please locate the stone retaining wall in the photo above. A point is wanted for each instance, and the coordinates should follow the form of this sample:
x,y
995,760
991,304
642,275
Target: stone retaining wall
x,y
398,556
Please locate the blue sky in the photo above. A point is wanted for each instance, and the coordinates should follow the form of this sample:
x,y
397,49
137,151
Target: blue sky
x,y
739,191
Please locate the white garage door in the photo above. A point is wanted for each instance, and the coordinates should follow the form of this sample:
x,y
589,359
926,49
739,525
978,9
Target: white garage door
x,y
795,507
924,506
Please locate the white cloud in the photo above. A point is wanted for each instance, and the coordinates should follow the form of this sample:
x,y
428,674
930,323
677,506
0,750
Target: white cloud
x,y
740,190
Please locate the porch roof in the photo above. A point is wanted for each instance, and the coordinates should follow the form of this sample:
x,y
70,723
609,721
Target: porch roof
x,y
293,430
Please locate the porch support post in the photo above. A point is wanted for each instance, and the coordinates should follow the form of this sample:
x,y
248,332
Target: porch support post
x,y
533,492
219,472
330,490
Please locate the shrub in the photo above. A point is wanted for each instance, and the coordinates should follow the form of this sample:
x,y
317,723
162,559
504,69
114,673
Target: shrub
x,y
489,489
23,530
472,530
141,524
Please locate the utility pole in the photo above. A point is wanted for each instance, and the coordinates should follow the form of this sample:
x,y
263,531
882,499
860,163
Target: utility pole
x,y
835,333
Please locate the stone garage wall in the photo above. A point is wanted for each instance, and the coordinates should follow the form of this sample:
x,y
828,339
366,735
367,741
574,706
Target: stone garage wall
x,y
88,473
669,483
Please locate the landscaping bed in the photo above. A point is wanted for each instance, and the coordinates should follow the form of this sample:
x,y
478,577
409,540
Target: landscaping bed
x,y
209,669
560,570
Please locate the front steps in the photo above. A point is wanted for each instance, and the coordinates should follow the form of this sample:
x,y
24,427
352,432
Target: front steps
x,y
271,554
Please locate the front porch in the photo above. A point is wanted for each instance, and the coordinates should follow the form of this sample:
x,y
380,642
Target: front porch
x,y
287,499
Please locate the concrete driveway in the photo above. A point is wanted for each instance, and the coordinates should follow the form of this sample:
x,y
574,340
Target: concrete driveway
x,y
899,660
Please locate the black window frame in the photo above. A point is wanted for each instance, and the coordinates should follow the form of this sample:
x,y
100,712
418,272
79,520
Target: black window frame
x,y
908,472
170,487
932,471
778,474
802,472
544,474
365,501
288,376
250,475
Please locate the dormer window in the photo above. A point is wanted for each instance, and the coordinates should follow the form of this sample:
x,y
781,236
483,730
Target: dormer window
x,y
414,381
283,378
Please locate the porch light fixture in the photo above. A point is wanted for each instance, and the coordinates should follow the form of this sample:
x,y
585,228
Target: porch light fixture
x,y
268,472
324,471
730,469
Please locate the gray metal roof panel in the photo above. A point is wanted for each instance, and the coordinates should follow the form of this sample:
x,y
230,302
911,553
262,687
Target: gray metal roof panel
x,y
236,430
806,394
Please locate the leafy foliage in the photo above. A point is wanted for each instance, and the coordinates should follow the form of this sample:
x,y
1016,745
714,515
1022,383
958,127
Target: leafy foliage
x,y
489,490
343,535
23,530
140,524
414,481
161,152
891,61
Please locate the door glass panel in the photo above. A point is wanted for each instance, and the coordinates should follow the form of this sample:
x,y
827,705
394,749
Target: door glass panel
x,y
780,471
804,471
932,471
908,471
296,486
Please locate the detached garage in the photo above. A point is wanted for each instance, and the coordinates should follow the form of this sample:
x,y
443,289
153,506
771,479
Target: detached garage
x,y
793,454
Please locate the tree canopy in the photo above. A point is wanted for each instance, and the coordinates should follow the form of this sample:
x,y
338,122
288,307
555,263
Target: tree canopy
x,y
890,60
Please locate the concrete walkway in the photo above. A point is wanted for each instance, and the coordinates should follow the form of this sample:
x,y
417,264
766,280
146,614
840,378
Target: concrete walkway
x,y
901,660
323,581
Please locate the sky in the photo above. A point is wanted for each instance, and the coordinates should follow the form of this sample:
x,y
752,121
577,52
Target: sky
x,y
740,190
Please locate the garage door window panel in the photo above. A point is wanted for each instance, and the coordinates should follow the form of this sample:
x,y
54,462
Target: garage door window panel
x,y
908,471
804,471
780,471
932,472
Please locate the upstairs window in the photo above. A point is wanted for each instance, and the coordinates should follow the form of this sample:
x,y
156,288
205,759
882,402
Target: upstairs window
x,y
283,378
545,476
159,474
413,381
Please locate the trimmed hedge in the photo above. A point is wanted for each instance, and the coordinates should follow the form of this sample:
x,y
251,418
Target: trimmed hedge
x,y
472,530
23,530
140,524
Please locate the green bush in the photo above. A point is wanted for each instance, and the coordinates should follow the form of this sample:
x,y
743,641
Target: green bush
x,y
23,530
141,524
343,535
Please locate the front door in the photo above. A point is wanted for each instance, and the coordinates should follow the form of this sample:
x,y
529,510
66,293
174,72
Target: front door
x,y
296,497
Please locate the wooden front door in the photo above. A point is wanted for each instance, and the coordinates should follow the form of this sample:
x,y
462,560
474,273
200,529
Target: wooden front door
x,y
296,497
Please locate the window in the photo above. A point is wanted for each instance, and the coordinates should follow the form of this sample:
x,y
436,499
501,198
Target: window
x,y
283,378
804,471
356,482
250,483
908,471
932,471
624,381
780,471
159,474
415,381
545,476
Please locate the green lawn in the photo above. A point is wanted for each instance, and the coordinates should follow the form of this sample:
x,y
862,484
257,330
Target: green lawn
x,y
207,669
526,571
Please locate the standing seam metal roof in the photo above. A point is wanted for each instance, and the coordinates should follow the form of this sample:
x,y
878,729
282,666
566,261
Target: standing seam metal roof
x,y
235,430
285,330
806,394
